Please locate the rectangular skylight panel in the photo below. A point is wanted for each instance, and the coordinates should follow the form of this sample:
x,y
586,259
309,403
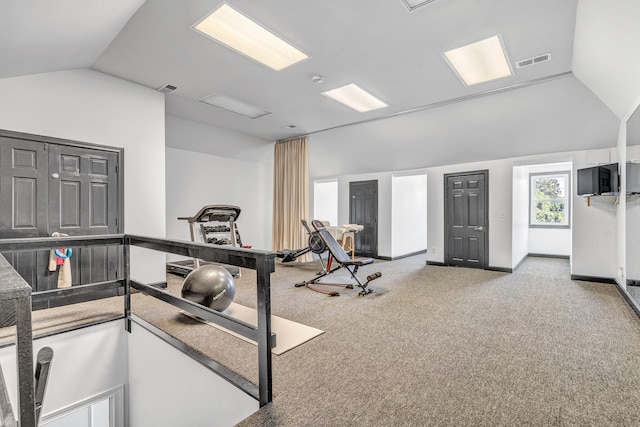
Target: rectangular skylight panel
x,y
480,62
355,97
231,28
235,106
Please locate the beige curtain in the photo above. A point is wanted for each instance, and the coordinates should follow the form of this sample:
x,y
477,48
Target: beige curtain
x,y
290,194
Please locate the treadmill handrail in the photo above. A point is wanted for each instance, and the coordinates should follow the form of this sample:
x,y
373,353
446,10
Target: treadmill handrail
x,y
221,212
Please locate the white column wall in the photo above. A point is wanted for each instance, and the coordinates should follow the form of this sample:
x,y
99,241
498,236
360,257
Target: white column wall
x,y
89,106
594,238
520,227
325,201
197,179
408,214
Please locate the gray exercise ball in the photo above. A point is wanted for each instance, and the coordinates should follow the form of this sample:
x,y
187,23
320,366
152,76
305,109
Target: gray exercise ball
x,y
210,285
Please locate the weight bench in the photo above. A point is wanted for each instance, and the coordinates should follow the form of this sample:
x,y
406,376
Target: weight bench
x,y
337,254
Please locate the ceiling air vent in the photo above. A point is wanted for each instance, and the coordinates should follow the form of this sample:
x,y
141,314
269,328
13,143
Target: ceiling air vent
x,y
167,89
533,61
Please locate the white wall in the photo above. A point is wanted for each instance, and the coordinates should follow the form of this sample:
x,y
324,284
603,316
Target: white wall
x,y
500,210
89,106
86,362
168,388
548,241
520,219
594,237
196,179
408,214
325,201
594,229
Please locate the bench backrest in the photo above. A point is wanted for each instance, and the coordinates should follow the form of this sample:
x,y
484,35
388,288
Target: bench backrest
x,y
332,244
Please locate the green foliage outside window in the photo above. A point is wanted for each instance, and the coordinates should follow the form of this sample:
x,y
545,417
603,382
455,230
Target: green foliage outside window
x,y
549,202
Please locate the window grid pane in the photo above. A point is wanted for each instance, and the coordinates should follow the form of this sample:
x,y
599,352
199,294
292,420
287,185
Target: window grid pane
x,y
549,200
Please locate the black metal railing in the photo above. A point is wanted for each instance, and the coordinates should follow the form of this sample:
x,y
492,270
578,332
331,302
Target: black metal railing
x,y
14,291
15,302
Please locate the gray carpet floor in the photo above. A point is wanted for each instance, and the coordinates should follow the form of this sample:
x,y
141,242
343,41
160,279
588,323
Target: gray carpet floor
x,y
438,346
442,346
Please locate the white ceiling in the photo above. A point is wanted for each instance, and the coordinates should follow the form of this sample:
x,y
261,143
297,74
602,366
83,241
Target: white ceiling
x,y
377,44
38,36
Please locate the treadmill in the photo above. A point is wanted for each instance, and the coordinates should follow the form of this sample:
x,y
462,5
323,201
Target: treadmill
x,y
215,224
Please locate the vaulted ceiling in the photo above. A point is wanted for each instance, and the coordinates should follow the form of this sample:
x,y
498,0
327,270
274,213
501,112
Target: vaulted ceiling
x,y
380,45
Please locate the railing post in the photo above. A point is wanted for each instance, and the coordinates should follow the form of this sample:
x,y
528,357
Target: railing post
x,y
24,358
127,283
265,385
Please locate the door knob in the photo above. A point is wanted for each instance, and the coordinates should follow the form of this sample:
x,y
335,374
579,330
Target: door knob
x,y
479,228
55,175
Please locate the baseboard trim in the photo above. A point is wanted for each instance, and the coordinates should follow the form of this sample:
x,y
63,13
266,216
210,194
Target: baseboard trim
x,y
489,268
627,297
550,256
439,264
395,258
501,269
524,258
595,279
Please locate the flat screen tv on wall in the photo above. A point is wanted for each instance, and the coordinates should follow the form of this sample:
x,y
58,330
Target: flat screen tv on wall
x,y
598,180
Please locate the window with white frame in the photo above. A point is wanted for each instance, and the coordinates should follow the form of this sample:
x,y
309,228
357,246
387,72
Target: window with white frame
x,y
549,199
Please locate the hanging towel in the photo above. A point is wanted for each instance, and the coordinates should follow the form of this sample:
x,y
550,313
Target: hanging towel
x,y
60,257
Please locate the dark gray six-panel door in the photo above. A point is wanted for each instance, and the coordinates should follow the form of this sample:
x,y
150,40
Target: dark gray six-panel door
x,y
466,215
47,187
23,200
83,193
363,210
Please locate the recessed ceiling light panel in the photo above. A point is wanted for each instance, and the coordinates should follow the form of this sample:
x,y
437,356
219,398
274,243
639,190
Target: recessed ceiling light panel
x,y
234,105
353,96
480,62
233,29
414,4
